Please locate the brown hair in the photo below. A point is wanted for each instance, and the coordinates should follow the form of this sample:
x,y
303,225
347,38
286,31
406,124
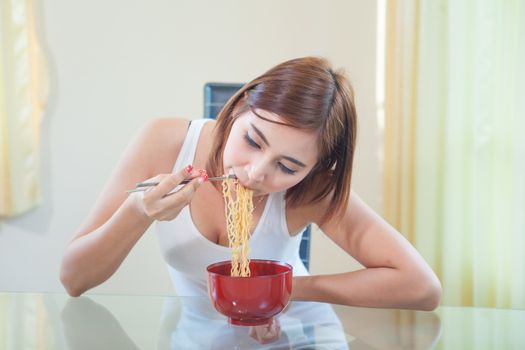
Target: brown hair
x,y
307,94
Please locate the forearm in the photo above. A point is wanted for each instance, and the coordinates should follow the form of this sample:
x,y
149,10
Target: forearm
x,y
372,287
92,258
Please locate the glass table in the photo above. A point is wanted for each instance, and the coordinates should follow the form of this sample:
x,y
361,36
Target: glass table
x,y
56,321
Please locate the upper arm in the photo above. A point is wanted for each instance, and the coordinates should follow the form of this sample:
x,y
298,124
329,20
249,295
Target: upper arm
x,y
153,151
368,238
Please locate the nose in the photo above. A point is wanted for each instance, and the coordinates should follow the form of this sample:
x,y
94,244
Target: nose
x,y
256,171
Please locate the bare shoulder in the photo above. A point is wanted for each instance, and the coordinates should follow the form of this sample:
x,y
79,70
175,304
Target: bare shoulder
x,y
160,141
356,213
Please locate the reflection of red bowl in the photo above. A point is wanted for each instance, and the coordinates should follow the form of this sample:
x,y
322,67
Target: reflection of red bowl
x,y
253,300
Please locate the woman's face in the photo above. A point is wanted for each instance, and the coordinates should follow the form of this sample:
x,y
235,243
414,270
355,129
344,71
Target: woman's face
x,y
269,157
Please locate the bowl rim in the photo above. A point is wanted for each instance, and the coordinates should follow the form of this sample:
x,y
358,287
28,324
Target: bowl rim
x,y
266,261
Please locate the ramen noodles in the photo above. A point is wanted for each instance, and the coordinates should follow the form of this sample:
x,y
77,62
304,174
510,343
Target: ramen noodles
x,y
238,202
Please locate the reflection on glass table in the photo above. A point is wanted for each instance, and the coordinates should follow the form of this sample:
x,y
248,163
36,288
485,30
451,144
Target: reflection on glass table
x,y
300,325
192,323
55,321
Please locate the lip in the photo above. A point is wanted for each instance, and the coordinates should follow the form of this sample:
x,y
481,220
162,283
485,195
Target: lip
x,y
242,180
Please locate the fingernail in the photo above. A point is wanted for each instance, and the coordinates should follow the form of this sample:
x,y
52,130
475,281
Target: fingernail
x,y
189,168
203,178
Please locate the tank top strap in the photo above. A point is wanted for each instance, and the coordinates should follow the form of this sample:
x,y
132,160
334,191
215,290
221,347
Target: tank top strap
x,y
189,146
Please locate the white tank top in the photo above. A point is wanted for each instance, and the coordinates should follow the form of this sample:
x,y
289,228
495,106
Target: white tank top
x,y
187,252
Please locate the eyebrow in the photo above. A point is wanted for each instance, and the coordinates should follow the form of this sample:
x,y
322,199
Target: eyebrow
x,y
265,140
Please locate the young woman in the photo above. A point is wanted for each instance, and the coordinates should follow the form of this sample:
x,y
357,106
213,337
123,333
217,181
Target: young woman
x,y
288,135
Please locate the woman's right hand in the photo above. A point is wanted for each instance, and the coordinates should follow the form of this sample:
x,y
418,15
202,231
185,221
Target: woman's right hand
x,y
159,203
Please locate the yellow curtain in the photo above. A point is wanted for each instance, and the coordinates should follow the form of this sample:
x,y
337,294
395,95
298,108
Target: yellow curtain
x,y
23,91
25,324
455,144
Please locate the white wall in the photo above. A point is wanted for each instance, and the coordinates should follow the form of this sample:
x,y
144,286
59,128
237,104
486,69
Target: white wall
x,y
116,64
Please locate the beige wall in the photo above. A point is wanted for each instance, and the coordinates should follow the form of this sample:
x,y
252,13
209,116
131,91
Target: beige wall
x,y
116,64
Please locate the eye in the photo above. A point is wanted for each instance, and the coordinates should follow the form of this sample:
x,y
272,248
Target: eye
x,y
285,169
251,142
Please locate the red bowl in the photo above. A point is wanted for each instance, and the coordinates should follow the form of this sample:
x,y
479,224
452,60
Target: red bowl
x,y
254,300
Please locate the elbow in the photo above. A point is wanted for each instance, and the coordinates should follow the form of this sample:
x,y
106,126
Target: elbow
x,y
69,284
73,292
429,295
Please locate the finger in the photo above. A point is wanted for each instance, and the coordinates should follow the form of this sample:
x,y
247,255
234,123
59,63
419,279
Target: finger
x,y
184,194
170,182
155,179
140,187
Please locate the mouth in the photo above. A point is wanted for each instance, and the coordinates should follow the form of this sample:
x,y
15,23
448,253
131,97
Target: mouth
x,y
242,181
231,172
246,185
243,184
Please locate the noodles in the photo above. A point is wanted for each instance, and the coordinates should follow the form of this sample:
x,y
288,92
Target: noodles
x,y
238,202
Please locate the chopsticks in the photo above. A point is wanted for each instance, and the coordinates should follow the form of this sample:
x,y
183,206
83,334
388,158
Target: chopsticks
x,y
143,186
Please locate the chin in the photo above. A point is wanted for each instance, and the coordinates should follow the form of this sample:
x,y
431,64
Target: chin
x,y
255,191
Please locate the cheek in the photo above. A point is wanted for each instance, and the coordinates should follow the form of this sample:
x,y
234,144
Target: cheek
x,y
283,182
234,153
